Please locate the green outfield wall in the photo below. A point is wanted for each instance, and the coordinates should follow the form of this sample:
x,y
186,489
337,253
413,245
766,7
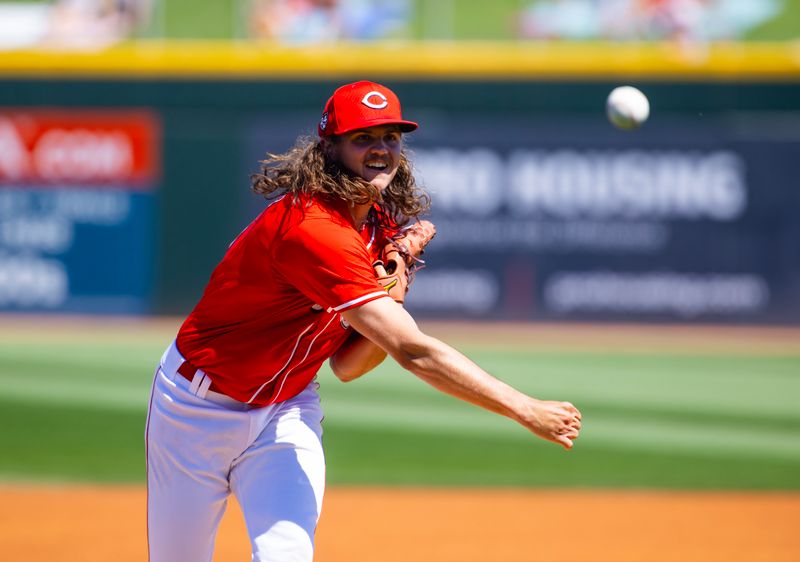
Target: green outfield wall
x,y
724,130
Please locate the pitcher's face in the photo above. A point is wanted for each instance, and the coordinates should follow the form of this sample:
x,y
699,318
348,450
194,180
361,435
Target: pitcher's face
x,y
372,153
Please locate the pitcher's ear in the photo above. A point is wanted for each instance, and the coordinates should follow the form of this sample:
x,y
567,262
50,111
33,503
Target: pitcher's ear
x,y
329,147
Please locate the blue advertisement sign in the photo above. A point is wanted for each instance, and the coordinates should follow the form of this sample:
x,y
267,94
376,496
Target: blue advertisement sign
x,y
690,220
77,209
569,219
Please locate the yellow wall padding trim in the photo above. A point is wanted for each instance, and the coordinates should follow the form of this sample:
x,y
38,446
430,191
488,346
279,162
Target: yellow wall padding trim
x,y
425,60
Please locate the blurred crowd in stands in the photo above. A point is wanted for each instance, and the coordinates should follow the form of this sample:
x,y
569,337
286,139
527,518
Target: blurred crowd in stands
x,y
99,23
71,24
677,20
314,21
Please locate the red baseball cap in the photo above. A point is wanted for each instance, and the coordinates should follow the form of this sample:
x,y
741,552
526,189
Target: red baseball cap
x,y
360,105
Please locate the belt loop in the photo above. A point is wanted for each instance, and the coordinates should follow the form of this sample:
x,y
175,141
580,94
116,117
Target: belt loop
x,y
201,382
205,384
196,380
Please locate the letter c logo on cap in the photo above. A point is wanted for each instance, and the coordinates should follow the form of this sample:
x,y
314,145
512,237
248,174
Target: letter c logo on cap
x,y
380,105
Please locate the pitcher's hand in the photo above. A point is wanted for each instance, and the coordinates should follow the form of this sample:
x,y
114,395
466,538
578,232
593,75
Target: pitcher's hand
x,y
559,422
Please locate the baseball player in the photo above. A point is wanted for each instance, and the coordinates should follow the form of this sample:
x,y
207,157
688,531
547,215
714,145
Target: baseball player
x,y
320,275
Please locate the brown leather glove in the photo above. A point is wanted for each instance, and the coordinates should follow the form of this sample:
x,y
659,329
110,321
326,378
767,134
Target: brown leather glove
x,y
400,258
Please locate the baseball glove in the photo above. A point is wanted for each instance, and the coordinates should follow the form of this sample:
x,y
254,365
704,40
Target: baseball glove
x,y
400,258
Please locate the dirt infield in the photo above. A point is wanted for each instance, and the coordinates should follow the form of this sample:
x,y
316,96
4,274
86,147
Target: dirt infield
x,y
93,524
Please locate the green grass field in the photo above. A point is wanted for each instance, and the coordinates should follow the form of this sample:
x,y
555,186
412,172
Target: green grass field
x,y
75,411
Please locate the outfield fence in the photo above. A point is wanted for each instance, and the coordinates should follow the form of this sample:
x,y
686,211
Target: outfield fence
x,y
124,174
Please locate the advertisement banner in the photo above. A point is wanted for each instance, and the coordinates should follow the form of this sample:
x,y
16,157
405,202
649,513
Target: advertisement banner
x,y
694,221
569,219
77,209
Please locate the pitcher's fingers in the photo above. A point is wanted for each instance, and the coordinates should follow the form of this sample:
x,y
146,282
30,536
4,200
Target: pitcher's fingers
x,y
392,255
568,430
565,441
380,270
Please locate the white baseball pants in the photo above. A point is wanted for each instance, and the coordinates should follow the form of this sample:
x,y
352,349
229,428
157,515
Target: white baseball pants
x,y
202,445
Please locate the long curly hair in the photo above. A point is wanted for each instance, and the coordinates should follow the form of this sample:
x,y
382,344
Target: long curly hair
x,y
307,170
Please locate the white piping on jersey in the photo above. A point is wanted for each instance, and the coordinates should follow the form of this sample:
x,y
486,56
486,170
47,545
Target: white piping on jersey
x,y
358,300
371,238
286,375
291,355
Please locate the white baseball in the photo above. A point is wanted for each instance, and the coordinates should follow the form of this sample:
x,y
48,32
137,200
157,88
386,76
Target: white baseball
x,y
627,107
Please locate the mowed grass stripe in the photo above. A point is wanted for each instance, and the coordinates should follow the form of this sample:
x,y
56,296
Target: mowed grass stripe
x,y
95,445
121,396
718,387
448,417
763,399
89,362
707,438
360,455
710,409
57,442
750,386
637,430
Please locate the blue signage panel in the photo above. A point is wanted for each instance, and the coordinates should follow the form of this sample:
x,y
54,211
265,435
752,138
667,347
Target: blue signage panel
x,y
688,220
568,218
77,211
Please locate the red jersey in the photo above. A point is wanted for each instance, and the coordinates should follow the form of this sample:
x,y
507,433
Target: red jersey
x,y
270,315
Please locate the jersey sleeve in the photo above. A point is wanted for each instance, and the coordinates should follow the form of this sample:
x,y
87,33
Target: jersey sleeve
x,y
328,263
